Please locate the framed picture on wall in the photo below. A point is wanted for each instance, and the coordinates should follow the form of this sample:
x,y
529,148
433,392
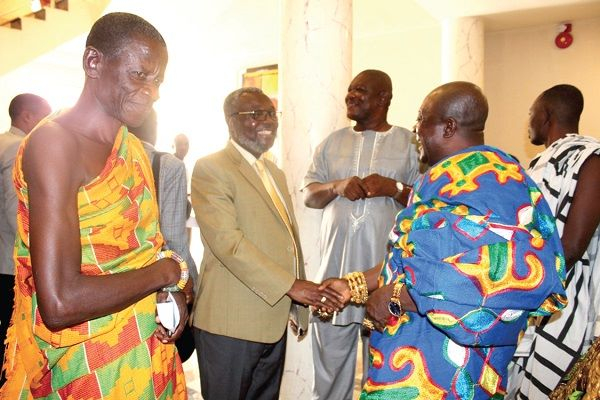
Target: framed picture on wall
x,y
264,78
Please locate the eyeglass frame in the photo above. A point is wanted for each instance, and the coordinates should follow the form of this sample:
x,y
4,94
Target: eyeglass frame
x,y
271,114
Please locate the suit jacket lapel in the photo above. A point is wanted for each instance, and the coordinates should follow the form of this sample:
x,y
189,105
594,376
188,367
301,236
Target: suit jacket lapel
x,y
248,172
279,179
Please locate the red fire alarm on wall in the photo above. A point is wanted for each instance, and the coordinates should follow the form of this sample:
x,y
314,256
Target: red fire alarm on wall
x,y
564,38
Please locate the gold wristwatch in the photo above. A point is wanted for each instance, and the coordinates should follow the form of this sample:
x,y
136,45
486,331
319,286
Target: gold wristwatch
x,y
395,305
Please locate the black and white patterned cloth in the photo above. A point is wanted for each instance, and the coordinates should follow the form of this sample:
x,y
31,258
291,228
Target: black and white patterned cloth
x,y
550,348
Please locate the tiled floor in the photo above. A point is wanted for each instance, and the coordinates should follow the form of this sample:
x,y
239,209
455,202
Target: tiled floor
x,y
192,377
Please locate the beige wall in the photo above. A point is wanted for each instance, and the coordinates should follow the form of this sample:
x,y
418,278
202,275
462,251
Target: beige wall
x,y
405,42
522,63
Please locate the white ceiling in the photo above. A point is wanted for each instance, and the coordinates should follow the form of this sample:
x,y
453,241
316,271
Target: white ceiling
x,y
260,25
512,14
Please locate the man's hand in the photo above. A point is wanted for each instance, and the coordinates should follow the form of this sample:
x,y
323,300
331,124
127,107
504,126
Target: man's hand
x,y
377,306
352,188
339,286
188,291
379,186
161,333
308,293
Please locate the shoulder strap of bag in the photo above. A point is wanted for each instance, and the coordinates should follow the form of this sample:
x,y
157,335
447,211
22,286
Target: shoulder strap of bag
x,y
156,170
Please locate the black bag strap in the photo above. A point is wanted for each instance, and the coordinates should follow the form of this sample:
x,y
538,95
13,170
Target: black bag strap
x,y
156,170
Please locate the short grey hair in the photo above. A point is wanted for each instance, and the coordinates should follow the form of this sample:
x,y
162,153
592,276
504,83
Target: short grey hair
x,y
231,101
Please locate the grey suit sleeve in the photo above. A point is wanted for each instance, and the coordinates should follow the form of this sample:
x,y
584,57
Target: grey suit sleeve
x,y
173,205
8,188
213,197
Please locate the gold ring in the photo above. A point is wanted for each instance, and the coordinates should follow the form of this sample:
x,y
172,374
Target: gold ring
x,y
323,299
367,323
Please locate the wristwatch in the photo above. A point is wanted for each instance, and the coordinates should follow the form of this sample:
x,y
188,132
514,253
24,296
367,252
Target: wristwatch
x,y
399,186
395,305
395,308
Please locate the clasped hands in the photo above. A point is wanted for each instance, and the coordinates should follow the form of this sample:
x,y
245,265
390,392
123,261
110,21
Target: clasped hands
x,y
311,294
374,185
377,310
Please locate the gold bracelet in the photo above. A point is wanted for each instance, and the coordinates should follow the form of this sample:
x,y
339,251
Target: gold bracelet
x,y
358,287
397,290
367,323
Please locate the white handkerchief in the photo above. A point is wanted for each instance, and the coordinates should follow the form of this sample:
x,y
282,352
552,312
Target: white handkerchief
x,y
168,313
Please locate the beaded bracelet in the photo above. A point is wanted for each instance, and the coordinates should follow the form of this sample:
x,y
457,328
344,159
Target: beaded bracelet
x,y
185,273
358,287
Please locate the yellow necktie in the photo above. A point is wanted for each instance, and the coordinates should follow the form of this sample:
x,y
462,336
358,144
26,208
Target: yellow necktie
x,y
276,199
264,176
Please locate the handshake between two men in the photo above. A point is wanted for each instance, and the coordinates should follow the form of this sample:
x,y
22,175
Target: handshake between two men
x,y
333,294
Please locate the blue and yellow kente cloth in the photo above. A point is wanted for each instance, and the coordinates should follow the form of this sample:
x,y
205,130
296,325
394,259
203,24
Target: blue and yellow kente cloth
x,y
479,252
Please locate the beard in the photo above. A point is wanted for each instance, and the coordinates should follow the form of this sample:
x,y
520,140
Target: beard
x,y
253,146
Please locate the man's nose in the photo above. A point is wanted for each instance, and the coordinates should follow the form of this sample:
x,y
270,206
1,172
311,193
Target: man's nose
x,y
151,91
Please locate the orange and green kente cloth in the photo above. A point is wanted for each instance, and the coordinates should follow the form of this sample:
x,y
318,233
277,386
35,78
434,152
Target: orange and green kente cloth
x,y
112,357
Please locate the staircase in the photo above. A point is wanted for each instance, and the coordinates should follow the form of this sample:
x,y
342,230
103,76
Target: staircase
x,y
25,35
12,11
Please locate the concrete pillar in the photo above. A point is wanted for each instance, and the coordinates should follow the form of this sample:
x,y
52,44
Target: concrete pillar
x,y
463,50
315,69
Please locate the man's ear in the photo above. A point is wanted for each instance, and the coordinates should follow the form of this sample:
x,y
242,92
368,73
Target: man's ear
x,y
548,115
450,128
385,98
92,59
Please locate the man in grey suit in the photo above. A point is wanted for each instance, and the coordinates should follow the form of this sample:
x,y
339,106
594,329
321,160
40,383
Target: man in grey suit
x,y
252,274
172,193
25,111
170,183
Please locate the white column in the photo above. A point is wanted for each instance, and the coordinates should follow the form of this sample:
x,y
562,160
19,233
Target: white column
x,y
314,73
463,50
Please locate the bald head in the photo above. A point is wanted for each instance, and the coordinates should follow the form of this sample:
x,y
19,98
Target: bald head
x,y
26,110
452,118
463,101
379,78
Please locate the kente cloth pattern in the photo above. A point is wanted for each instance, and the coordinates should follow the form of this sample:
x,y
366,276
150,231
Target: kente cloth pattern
x,y
553,344
479,252
112,357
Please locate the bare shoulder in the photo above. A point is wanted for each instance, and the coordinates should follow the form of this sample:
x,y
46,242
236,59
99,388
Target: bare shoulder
x,y
588,173
52,152
52,134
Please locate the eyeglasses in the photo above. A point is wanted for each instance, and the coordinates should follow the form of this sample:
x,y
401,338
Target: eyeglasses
x,y
259,115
